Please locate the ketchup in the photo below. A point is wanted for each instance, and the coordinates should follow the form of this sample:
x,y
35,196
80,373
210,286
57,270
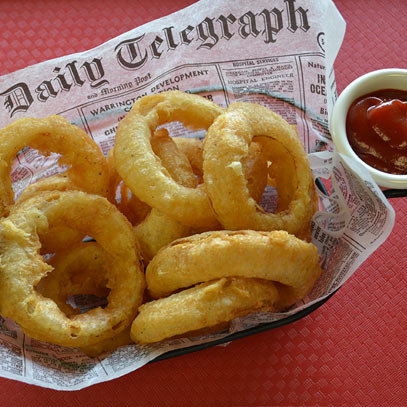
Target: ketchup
x,y
376,126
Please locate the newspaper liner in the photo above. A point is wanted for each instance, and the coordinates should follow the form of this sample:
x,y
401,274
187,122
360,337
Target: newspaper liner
x,y
279,54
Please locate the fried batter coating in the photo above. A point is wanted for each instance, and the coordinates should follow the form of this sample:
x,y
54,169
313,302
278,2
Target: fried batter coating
x,y
203,306
276,256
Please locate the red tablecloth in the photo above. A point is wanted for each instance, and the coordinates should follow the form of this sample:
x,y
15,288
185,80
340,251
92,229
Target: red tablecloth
x,y
351,351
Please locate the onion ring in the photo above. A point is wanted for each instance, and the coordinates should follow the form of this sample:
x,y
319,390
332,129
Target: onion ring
x,y
81,269
276,256
52,134
225,146
202,306
175,163
22,268
143,172
153,228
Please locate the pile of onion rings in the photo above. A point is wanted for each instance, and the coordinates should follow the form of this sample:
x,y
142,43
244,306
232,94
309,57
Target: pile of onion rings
x,y
168,233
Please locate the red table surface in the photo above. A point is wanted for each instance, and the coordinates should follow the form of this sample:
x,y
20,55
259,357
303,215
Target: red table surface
x,y
351,351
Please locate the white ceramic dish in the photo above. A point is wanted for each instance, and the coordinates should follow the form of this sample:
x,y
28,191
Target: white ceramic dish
x,y
370,82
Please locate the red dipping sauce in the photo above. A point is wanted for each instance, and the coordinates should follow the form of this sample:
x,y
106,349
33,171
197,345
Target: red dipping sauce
x,y
376,127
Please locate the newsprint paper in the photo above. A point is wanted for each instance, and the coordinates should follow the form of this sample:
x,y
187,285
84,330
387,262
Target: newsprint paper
x,y
278,53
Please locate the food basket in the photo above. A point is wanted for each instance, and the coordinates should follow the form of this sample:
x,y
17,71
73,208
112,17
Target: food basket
x,y
343,186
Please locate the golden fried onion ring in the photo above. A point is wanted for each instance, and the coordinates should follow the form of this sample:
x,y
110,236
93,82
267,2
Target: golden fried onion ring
x,y
227,144
276,256
141,169
80,269
202,306
53,134
22,267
